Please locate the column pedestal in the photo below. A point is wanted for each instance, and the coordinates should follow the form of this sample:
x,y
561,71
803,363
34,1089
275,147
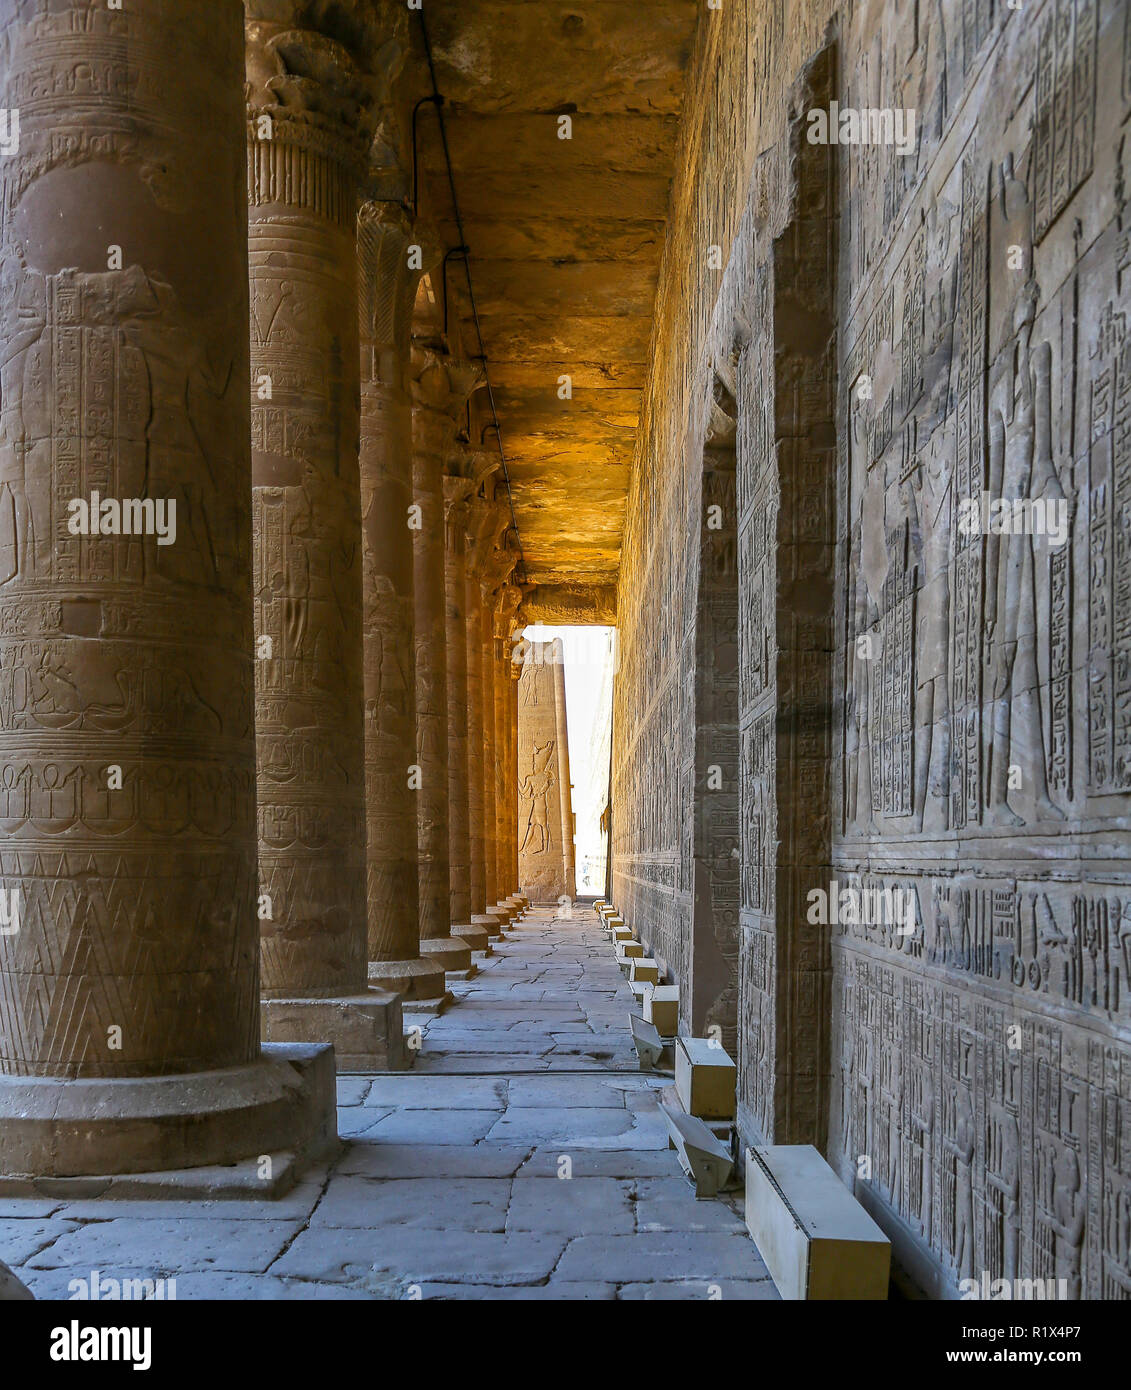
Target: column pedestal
x,y
420,983
281,1105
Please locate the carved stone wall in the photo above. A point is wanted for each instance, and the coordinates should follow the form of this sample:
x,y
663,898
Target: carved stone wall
x,y
711,1001
543,762
961,1045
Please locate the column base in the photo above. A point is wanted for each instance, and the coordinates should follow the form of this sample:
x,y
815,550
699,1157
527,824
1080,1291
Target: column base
x,y
365,1028
477,936
502,917
452,952
98,1128
491,922
416,981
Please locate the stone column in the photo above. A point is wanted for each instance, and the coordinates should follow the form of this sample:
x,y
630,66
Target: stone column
x,y
485,525
129,959
304,165
457,490
390,274
441,388
506,757
497,569
472,629
568,850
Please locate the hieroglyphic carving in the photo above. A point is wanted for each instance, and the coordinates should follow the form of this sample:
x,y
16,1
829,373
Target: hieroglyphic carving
x,y
1065,115
1109,552
967,583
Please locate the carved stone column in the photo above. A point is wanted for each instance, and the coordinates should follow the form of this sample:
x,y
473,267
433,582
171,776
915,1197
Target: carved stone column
x,y
456,514
514,671
485,525
497,567
392,257
506,754
568,850
441,388
129,959
308,117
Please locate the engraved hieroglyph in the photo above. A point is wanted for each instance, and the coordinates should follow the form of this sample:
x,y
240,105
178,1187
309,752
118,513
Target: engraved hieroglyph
x,y
543,763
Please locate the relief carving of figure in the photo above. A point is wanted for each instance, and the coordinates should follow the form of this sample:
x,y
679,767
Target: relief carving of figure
x,y
1021,468
960,1147
537,786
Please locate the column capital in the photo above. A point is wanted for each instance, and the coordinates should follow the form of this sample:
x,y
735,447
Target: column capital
x,y
497,565
476,464
441,382
393,255
486,524
304,88
507,628
457,505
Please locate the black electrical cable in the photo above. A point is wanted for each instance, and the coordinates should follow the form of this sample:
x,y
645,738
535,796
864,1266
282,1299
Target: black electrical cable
x,y
438,101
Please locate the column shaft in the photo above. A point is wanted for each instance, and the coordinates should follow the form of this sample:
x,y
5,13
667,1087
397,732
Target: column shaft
x,y
475,739
490,819
502,708
431,675
388,288
307,534
459,703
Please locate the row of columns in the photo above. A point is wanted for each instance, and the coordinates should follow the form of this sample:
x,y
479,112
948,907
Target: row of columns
x,y
363,493
300,712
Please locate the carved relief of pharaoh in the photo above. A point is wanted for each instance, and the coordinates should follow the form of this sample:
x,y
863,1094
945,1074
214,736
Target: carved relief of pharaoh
x,y
1021,468
537,786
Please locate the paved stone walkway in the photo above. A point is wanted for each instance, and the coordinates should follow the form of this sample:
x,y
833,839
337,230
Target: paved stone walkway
x,y
453,1183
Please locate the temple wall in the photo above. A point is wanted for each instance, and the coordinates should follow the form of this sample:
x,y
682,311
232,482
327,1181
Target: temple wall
x,y
924,707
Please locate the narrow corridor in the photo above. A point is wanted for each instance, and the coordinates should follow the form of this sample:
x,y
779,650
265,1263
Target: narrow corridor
x,y
523,1156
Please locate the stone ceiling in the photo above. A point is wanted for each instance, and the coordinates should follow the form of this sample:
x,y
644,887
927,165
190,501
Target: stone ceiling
x,y
565,238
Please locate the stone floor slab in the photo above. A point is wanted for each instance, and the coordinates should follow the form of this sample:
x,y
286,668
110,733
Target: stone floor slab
x,y
461,1204
331,1255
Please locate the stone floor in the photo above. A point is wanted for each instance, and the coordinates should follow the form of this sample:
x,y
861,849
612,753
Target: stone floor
x,y
524,1156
